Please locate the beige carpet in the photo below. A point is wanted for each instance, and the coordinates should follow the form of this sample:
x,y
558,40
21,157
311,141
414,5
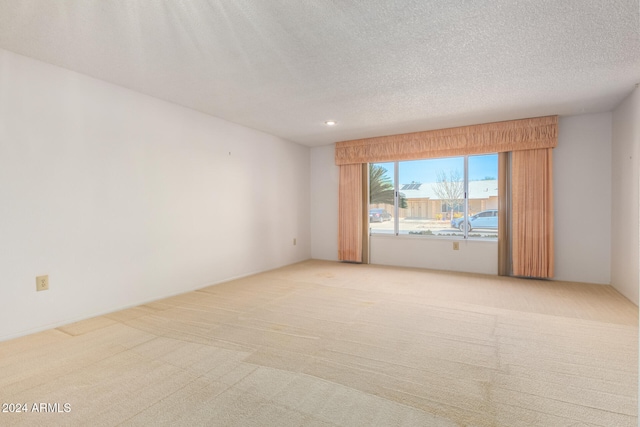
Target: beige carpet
x,y
329,344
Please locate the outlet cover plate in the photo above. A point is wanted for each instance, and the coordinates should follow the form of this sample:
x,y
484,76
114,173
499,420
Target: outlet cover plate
x,y
42,283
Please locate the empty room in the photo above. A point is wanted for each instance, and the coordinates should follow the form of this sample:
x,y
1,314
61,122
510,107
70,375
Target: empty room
x,y
294,213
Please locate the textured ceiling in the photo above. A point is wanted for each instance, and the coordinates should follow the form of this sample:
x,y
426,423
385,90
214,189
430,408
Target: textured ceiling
x,y
377,67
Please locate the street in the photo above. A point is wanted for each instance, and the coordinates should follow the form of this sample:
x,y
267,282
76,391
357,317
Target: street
x,y
427,227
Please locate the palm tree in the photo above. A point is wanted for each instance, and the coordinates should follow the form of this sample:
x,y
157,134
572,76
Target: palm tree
x,y
381,188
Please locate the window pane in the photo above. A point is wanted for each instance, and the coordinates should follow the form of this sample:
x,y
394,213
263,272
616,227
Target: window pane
x,y
381,197
431,195
483,196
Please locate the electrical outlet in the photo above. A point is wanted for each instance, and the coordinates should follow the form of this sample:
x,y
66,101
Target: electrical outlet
x,y
42,283
295,242
456,246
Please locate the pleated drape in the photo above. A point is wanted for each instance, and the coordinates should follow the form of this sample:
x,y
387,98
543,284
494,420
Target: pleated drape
x,y
532,213
350,217
499,137
504,214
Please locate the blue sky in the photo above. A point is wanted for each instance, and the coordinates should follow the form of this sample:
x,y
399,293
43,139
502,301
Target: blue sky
x,y
426,170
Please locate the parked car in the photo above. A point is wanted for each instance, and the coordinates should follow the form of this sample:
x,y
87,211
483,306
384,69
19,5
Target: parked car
x,y
379,215
486,219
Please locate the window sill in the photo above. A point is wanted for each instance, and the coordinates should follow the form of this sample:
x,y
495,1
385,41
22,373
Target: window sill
x,y
434,238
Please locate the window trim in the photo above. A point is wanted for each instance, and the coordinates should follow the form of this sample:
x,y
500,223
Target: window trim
x,y
465,202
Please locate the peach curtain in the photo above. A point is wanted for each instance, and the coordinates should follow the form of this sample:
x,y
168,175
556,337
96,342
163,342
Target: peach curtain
x,y
532,213
504,214
350,217
514,135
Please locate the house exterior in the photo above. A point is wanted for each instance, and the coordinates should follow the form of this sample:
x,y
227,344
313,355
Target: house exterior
x,y
423,201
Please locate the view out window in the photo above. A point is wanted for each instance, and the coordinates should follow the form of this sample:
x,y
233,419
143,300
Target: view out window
x,y
435,182
454,196
483,196
382,190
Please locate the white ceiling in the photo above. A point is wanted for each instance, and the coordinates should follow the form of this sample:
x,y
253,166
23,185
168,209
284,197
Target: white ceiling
x,y
378,67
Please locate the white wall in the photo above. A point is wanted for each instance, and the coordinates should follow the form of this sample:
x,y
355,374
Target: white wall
x,y
473,256
122,198
625,192
582,216
324,203
582,198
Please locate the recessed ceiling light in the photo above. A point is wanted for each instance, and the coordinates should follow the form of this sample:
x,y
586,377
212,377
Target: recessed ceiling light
x,y
330,123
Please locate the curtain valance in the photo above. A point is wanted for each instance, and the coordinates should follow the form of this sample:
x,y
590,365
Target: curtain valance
x,y
498,137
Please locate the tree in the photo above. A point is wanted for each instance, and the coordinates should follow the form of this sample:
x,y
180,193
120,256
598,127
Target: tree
x,y
449,189
381,188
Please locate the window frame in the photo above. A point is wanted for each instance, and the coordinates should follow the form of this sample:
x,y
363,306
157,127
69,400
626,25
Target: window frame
x,y
464,203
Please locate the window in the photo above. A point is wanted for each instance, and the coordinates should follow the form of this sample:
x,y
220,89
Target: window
x,y
428,186
483,196
382,190
456,207
445,197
